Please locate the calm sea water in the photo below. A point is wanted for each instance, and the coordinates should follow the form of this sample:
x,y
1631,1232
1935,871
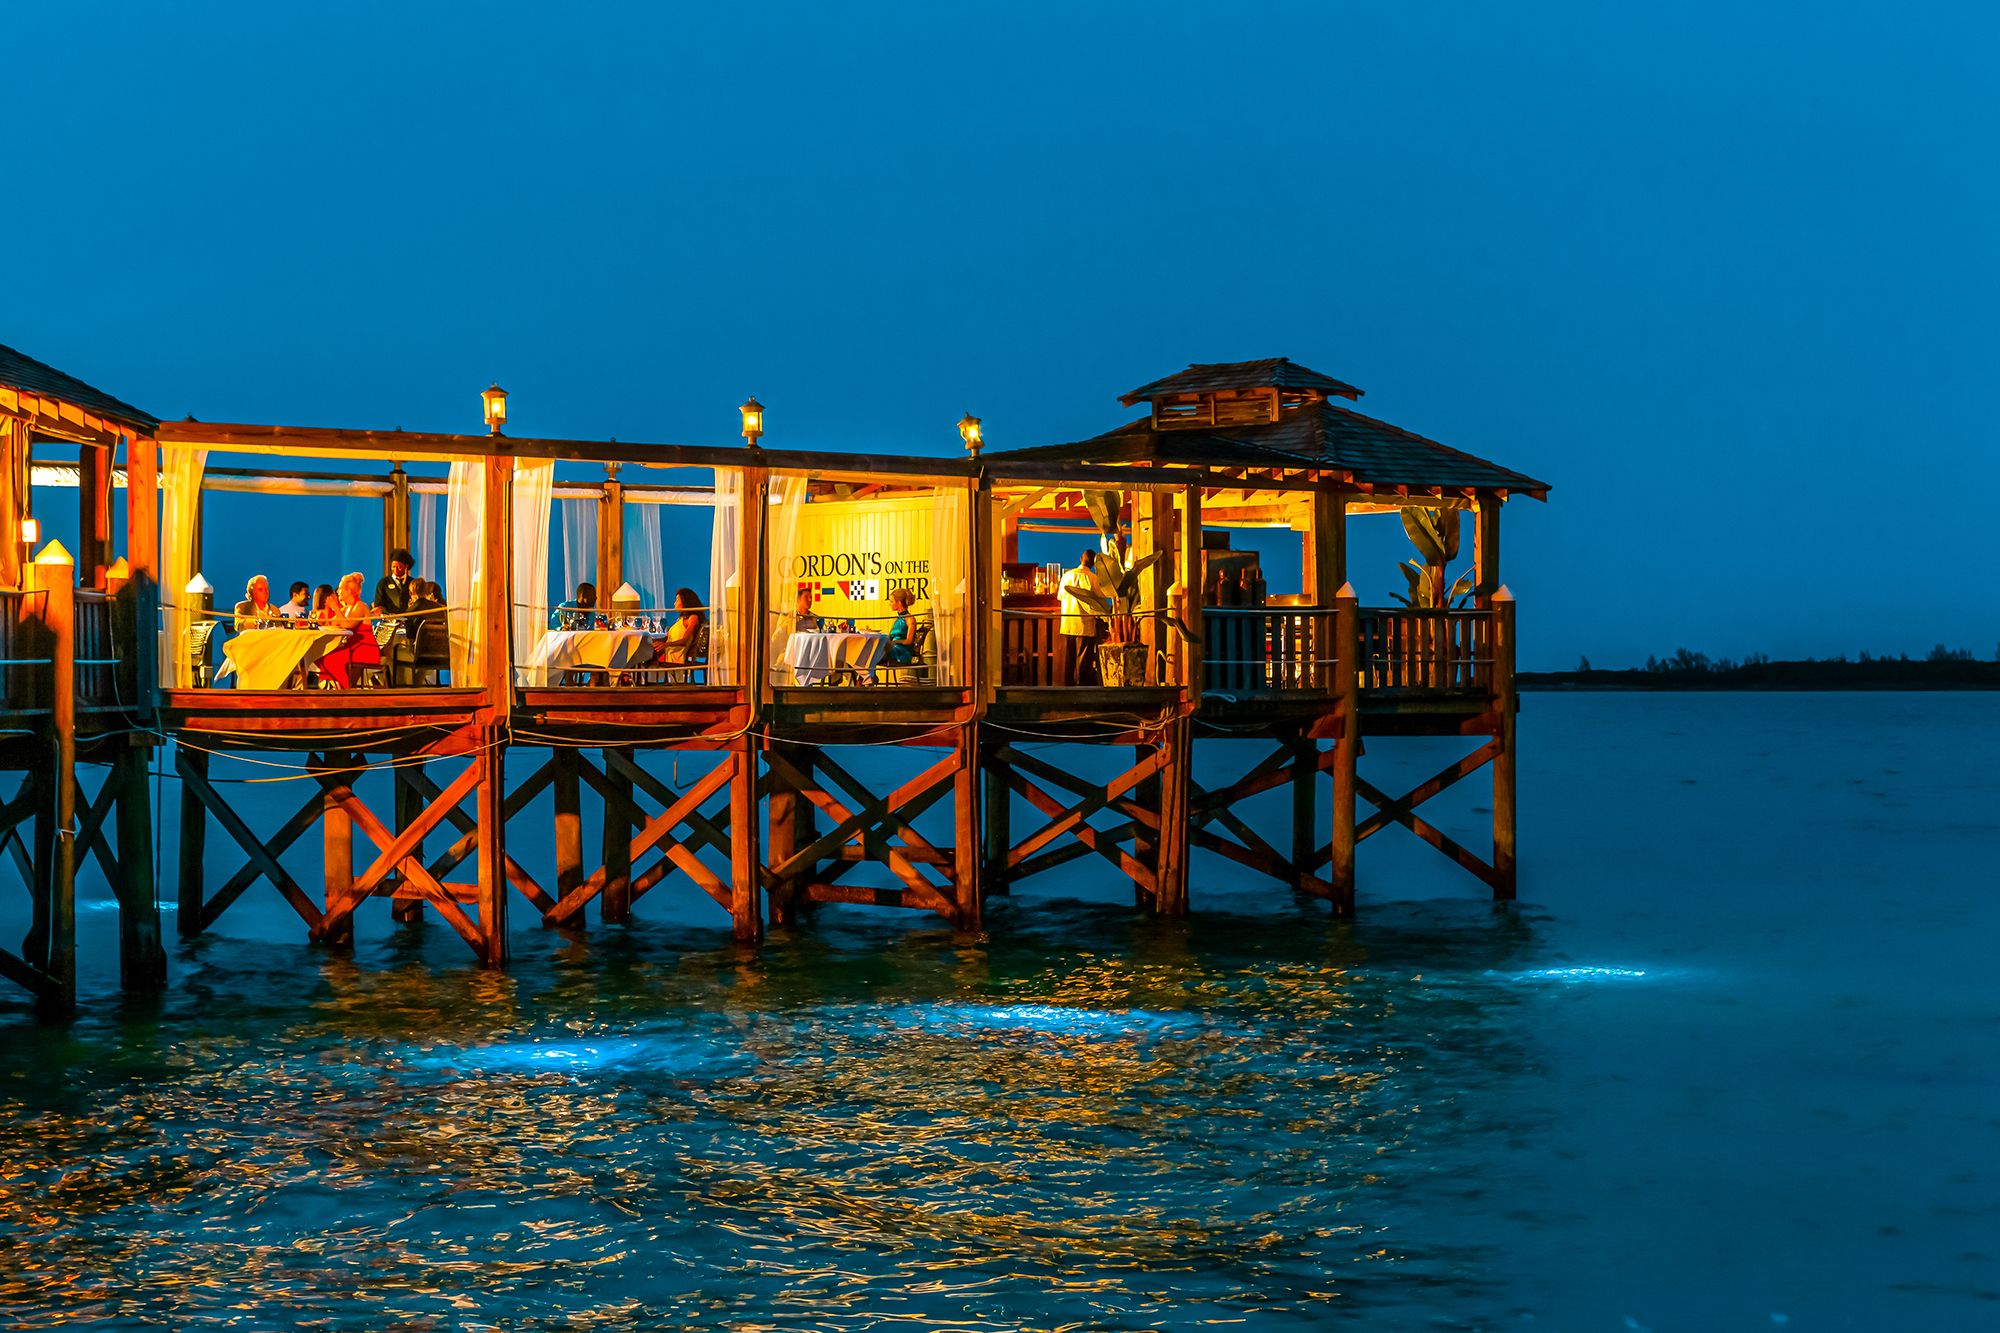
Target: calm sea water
x,y
1730,1064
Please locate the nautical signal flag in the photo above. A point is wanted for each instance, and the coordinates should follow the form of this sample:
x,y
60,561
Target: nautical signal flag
x,y
861,590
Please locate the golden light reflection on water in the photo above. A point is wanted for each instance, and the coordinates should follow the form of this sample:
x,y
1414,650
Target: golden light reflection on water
x,y
1160,1129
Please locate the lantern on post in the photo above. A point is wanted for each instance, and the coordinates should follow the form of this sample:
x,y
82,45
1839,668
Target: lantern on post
x,y
31,532
494,400
753,420
968,430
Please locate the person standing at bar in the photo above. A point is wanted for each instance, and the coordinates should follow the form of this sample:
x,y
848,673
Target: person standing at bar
x,y
394,594
1078,597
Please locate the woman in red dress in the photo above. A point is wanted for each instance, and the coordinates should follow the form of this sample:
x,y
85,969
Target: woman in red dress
x,y
352,614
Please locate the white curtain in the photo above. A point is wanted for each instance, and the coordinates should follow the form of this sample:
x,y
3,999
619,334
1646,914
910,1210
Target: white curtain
x,y
725,580
579,539
429,565
951,529
645,562
534,483
180,486
781,524
465,523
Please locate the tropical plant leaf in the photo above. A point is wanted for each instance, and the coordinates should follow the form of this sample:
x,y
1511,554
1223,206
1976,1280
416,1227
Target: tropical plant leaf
x,y
1104,507
1422,526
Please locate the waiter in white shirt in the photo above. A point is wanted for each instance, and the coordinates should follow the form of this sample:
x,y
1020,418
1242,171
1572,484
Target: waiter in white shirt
x,y
1079,595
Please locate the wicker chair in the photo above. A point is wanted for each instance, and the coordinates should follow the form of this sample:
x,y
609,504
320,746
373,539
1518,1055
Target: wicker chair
x,y
200,639
381,673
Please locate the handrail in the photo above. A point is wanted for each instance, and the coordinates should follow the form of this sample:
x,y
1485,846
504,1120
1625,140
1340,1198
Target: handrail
x,y
1426,649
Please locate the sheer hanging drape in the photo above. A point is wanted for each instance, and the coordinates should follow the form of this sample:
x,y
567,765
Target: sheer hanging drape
x,y
645,562
579,539
534,483
789,492
429,565
180,488
951,528
465,522
725,580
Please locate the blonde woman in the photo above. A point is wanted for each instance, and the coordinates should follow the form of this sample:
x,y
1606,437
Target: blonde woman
x,y
355,616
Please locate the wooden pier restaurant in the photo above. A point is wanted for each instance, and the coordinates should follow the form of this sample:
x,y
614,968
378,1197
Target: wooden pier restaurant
x,y
850,601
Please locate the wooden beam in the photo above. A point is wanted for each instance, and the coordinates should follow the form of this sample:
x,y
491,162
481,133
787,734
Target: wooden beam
x,y
1507,703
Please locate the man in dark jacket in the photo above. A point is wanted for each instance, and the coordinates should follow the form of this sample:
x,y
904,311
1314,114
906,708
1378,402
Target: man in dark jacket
x,y
392,597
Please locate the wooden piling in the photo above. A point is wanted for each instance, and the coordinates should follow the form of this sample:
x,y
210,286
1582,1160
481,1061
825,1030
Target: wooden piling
x,y
490,802
1305,804
614,904
968,852
1347,746
54,578
745,860
409,803
193,845
1506,702
142,959
337,840
566,789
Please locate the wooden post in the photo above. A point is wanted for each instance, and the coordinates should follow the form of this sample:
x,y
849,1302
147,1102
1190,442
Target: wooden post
x,y
395,513
1347,746
1152,533
142,960
566,765
791,830
93,499
1190,581
1305,803
1506,702
495,627
1170,862
611,538
409,806
337,831
997,830
754,576
745,860
967,852
614,904
1486,549
15,497
54,577
193,844
490,804
142,554
1329,563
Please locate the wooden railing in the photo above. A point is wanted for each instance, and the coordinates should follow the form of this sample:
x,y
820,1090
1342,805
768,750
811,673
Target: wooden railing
x,y
1426,650
1030,650
96,651
18,674
1267,649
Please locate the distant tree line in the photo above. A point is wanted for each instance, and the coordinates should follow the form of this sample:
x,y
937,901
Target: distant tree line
x,y
1943,668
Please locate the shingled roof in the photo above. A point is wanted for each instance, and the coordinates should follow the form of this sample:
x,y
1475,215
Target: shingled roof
x,y
1319,436
1219,377
22,372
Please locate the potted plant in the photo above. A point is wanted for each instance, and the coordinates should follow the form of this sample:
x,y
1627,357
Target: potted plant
x,y
1121,658
1434,532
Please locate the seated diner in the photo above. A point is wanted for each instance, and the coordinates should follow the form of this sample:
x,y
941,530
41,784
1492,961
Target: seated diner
x,y
340,668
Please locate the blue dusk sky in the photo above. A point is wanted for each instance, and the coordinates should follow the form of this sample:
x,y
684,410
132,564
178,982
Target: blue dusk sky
x,y
1725,275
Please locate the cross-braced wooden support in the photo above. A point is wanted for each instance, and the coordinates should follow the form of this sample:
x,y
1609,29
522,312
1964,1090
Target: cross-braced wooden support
x,y
807,866
688,823
398,870
1297,762
113,830
1150,796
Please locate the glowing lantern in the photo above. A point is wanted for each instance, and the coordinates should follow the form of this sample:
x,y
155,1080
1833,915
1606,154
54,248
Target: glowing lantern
x,y
31,531
495,400
968,430
753,421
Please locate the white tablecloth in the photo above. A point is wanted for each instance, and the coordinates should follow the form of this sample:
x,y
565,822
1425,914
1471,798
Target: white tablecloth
x,y
264,659
578,649
814,657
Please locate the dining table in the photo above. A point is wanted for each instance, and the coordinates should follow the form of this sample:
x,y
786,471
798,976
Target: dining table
x,y
817,656
591,650
270,659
